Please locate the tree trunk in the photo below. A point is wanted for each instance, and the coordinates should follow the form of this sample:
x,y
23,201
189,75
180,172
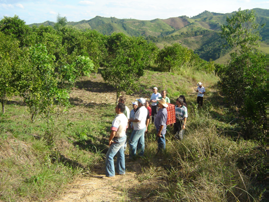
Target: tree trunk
x,y
3,101
117,96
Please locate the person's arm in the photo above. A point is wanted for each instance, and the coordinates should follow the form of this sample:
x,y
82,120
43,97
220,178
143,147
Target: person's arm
x,y
112,135
184,124
147,124
147,121
134,120
136,117
160,131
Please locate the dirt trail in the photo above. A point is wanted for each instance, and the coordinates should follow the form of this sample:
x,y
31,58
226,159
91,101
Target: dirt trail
x,y
98,187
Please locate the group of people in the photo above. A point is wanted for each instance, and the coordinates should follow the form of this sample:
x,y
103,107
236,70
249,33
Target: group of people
x,y
137,120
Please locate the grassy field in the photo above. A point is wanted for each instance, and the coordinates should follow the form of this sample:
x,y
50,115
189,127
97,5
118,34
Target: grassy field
x,y
212,163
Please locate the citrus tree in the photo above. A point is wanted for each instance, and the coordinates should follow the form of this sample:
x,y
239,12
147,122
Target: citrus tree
x,y
172,57
127,58
244,79
10,63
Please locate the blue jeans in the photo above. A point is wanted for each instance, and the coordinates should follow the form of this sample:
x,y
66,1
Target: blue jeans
x,y
116,148
137,140
161,142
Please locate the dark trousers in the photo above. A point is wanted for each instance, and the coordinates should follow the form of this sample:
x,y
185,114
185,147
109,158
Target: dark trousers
x,y
200,101
154,111
178,126
178,129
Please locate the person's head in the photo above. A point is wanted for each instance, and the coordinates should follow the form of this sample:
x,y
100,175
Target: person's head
x,y
162,103
179,101
155,90
122,99
141,102
199,84
183,97
164,93
135,105
147,103
120,108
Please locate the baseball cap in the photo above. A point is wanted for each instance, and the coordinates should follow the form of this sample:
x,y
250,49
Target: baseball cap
x,y
135,103
142,100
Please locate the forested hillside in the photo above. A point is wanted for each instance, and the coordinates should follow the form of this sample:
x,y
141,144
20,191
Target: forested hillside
x,y
199,33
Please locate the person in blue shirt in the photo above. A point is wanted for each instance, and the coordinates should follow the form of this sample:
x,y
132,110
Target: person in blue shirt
x,y
160,124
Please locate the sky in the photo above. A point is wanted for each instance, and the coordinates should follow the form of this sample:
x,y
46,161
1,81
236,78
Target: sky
x,y
38,11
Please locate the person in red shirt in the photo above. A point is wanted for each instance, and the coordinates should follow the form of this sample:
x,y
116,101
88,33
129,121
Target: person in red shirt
x,y
148,107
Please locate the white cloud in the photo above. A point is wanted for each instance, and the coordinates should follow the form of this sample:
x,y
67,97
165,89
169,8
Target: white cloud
x,y
6,6
53,12
86,3
20,6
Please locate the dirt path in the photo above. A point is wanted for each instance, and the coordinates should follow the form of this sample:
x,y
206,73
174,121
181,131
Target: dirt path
x,y
98,187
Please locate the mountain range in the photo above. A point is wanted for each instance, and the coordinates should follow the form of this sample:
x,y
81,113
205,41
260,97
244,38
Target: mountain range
x,y
199,33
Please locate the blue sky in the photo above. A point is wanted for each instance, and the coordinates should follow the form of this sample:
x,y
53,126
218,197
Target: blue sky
x,y
36,11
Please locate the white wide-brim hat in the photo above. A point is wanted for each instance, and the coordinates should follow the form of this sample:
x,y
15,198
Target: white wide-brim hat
x,y
163,102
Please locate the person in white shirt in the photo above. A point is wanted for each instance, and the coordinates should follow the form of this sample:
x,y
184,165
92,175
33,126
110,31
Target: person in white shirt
x,y
137,139
201,91
154,99
116,143
122,100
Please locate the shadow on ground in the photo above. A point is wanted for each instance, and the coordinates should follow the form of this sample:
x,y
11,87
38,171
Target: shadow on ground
x,y
94,86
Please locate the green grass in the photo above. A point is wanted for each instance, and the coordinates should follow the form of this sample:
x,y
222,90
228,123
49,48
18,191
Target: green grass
x,y
35,171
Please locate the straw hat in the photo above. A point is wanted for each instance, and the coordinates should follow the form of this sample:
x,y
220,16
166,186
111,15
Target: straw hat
x,y
163,102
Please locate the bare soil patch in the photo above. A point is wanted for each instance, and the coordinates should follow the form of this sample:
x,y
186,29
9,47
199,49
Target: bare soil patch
x,y
98,187
177,23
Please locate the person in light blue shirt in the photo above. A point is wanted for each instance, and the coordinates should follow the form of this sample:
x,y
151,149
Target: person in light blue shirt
x,y
154,101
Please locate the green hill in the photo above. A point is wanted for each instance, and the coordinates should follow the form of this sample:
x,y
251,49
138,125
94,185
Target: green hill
x,y
199,33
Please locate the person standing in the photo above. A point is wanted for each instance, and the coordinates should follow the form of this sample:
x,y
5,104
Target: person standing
x,y
147,105
137,139
184,100
116,143
201,91
154,99
132,113
181,118
160,124
163,93
122,100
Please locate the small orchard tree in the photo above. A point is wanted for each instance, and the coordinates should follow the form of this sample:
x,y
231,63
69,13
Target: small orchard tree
x,y
41,92
127,58
241,30
172,57
16,28
244,79
9,65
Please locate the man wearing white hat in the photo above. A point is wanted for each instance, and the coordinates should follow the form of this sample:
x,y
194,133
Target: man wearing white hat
x,y
160,124
154,100
201,91
137,139
132,113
